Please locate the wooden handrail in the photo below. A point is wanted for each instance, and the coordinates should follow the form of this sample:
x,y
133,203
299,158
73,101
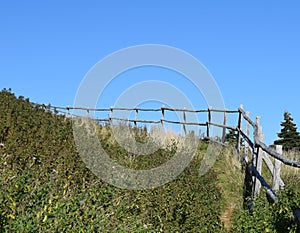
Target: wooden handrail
x,y
247,118
276,155
267,187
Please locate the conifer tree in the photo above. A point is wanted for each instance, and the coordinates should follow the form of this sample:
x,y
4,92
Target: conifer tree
x,y
231,136
289,137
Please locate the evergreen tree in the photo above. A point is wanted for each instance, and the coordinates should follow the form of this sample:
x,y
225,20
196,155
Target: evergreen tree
x,y
231,136
289,137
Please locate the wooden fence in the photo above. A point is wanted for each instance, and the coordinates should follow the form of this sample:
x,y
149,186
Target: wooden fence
x,y
207,124
262,153
252,151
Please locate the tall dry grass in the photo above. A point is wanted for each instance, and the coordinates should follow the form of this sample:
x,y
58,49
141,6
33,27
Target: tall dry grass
x,y
289,171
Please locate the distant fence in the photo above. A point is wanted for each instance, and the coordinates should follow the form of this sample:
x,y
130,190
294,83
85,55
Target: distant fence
x,y
162,120
255,148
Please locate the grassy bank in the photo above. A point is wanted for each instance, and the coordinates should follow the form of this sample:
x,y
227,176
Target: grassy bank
x,y
46,187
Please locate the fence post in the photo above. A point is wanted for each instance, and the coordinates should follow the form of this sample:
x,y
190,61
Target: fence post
x,y
162,115
208,122
184,121
224,129
259,155
238,143
136,116
111,115
277,169
247,134
67,112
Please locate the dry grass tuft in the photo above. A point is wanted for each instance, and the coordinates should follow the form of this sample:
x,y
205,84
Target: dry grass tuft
x,y
288,171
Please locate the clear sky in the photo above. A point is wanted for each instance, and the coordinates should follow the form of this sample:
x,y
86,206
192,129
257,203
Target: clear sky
x,y
252,49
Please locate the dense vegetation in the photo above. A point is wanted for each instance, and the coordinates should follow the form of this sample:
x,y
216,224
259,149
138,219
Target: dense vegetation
x,y
45,186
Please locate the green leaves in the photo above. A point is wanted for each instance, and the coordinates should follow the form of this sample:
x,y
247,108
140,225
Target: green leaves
x,y
270,217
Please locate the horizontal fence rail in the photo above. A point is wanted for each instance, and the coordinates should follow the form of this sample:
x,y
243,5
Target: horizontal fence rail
x,y
276,155
67,111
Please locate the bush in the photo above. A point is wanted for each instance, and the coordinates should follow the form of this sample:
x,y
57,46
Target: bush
x,y
45,186
268,217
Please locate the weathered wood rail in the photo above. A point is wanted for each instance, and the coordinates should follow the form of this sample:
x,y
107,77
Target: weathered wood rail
x,y
162,120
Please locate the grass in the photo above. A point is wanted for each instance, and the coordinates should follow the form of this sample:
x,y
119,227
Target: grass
x,y
288,171
46,187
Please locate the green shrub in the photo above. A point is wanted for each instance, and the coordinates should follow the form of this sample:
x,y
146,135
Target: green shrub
x,y
277,217
46,187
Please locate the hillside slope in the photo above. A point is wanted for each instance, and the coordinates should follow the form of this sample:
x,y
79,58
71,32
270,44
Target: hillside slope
x,y
45,186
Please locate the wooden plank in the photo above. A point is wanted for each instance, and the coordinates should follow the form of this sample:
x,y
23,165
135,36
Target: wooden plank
x,y
130,120
82,108
270,166
259,155
277,169
247,118
224,110
247,134
149,109
184,110
187,123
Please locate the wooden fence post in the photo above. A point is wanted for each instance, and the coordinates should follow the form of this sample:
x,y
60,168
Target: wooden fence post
x,y
162,115
184,121
277,169
238,143
224,129
247,134
259,155
111,115
67,112
136,116
208,122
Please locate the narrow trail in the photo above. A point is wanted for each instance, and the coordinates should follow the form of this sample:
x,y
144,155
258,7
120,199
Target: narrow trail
x,y
227,215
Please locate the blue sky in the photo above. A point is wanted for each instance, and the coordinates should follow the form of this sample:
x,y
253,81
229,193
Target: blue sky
x,y
252,49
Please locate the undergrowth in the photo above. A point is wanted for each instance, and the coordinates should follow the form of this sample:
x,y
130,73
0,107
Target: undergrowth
x,y
46,187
